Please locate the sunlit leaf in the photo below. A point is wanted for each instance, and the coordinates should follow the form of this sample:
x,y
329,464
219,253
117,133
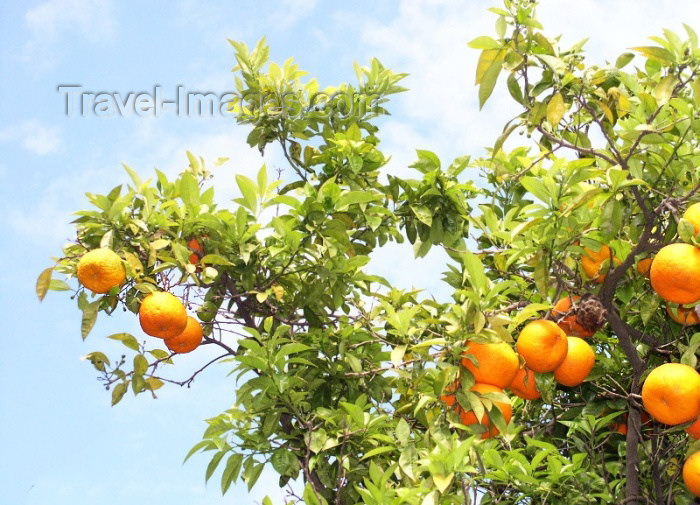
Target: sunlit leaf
x,y
43,282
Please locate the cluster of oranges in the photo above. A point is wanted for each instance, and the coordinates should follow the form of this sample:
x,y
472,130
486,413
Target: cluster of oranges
x,y
671,392
542,346
161,314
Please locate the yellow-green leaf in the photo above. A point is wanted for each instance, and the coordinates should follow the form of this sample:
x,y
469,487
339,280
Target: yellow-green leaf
x,y
664,90
556,108
375,451
655,53
118,392
487,71
43,282
89,318
442,482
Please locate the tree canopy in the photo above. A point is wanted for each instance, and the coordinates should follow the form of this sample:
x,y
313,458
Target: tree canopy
x,y
361,391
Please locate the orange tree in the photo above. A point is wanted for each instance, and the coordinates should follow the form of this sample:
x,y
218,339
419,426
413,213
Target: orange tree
x,y
358,391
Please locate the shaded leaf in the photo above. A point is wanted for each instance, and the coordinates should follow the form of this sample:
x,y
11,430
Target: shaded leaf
x,y
118,392
89,318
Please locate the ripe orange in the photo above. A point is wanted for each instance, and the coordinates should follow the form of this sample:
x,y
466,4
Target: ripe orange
x,y
449,397
469,417
197,250
188,340
671,393
675,273
691,473
592,262
162,315
100,270
643,266
524,385
543,345
569,323
497,363
694,429
577,364
692,215
683,315
620,428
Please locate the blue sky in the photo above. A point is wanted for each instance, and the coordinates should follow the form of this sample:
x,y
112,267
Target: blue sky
x,y
61,443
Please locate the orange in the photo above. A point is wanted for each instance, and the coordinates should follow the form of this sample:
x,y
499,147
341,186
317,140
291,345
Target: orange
x,y
675,273
691,473
694,429
643,266
469,418
197,249
671,393
543,345
684,316
569,323
162,314
100,270
496,363
524,385
188,340
592,262
692,215
620,428
448,397
577,364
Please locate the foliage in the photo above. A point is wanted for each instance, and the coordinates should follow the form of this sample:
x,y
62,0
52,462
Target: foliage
x,y
338,374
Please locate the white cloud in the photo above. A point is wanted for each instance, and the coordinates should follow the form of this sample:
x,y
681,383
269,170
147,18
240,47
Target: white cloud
x,y
291,12
32,135
53,19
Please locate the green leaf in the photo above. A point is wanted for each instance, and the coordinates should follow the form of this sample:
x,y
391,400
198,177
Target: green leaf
x,y
624,59
252,474
442,482
262,181
118,392
189,190
98,360
202,444
376,451
487,79
556,64
317,440
484,42
309,497
249,191
140,364
664,90
514,89
423,214
43,282
154,383
403,431
536,187
127,339
59,285
355,197
231,471
215,259
213,463
655,53
89,318
474,271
